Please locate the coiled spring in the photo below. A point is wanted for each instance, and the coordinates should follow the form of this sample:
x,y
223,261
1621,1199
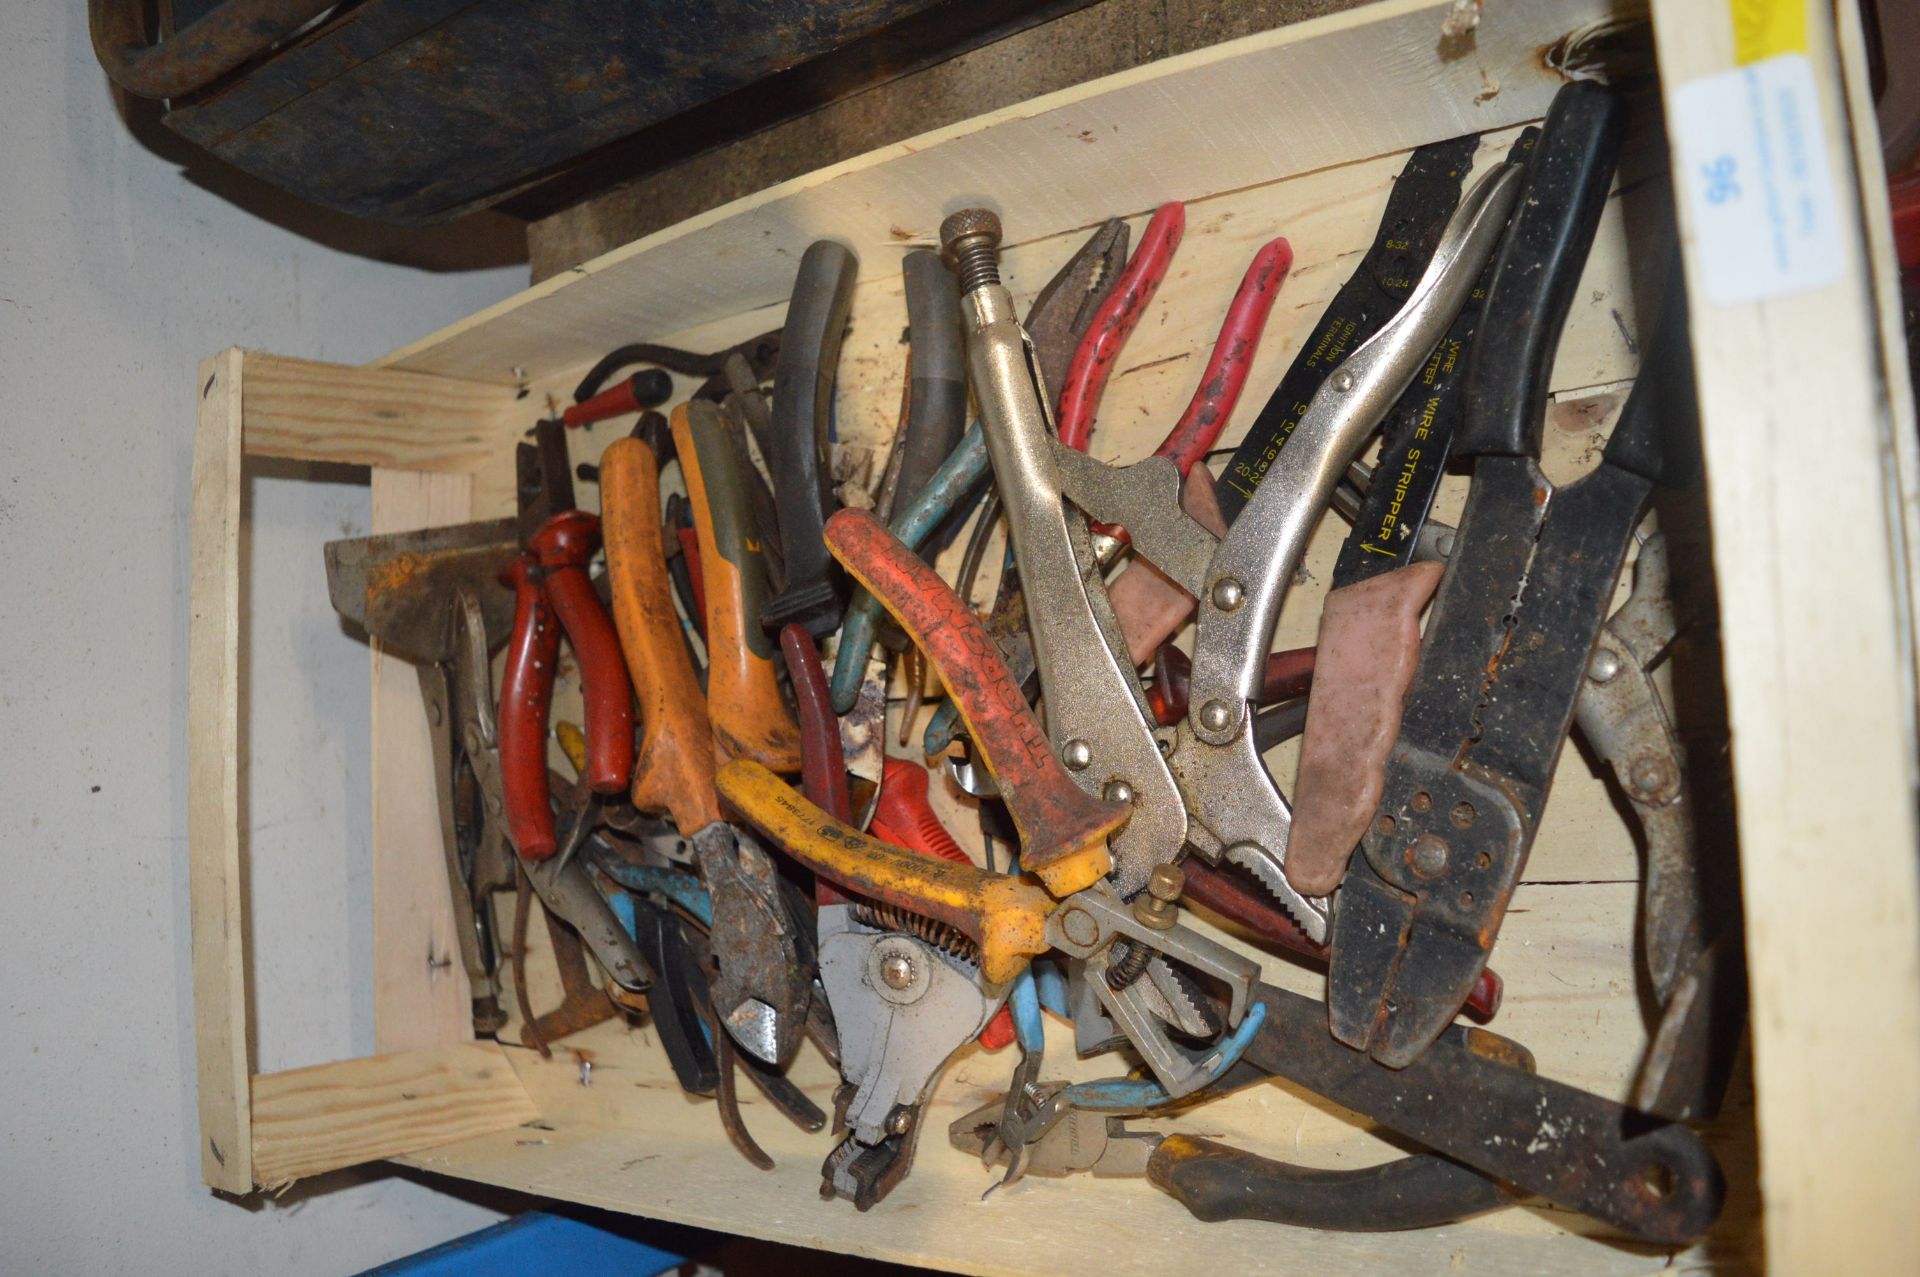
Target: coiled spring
x,y
1129,960
942,936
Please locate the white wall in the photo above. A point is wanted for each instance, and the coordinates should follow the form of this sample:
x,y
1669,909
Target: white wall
x,y
117,274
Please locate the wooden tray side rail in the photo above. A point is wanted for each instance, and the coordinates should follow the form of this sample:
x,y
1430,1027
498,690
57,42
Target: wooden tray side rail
x,y
266,1130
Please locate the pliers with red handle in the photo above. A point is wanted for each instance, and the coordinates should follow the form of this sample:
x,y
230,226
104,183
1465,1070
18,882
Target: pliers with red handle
x,y
1226,373
552,596
1197,429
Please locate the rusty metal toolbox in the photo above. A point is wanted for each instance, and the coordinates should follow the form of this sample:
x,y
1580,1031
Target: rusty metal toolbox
x,y
1811,495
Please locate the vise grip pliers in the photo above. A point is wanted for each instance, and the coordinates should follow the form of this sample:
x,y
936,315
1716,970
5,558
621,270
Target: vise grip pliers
x,y
1201,781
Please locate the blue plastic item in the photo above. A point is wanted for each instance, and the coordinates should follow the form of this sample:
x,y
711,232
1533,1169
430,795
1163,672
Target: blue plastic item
x,y
536,1243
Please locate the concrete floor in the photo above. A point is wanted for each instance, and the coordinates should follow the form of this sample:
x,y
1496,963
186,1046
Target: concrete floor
x,y
1102,38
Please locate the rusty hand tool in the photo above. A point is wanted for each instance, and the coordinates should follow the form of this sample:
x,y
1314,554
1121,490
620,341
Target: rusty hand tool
x,y
433,598
1689,948
578,918
1467,1098
646,389
1689,945
902,815
1146,607
750,719
1473,1099
762,988
1064,831
907,991
797,441
1220,890
1096,708
674,769
759,354
1519,609
1004,916
1058,316
583,1003
1007,919
1235,811
552,595
1216,1182
1369,625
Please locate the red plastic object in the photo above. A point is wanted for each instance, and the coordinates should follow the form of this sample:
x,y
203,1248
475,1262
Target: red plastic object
x,y
690,552
1199,427
1904,194
630,394
526,692
1289,674
823,763
903,808
1115,321
564,544
905,818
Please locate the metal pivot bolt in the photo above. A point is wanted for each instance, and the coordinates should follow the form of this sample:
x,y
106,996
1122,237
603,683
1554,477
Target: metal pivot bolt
x,y
1215,716
1159,906
970,244
1076,754
1428,855
897,971
1079,926
1228,594
1117,791
1604,666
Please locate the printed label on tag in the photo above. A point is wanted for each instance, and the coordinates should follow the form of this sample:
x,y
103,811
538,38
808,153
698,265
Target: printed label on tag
x,y
1754,164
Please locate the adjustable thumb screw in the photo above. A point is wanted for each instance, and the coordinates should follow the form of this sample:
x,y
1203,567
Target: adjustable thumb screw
x,y
970,245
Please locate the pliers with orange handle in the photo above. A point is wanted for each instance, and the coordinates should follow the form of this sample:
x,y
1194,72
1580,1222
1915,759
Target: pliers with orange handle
x,y
762,991
1007,919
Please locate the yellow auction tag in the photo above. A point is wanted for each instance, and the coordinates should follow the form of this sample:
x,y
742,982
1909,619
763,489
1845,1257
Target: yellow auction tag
x,y
1767,28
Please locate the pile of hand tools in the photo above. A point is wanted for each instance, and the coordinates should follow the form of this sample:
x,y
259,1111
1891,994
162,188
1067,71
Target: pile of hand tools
x,y
1120,776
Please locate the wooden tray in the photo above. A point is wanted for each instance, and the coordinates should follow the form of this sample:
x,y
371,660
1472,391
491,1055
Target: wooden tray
x,y
1808,434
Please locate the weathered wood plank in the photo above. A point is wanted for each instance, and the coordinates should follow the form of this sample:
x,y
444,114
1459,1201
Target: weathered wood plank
x,y
1806,488
311,411
421,993
307,1121
213,785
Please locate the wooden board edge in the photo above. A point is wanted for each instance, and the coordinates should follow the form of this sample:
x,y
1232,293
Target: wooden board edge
x,y
216,906
310,410
329,1116
421,993
1904,438
791,212
1810,567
